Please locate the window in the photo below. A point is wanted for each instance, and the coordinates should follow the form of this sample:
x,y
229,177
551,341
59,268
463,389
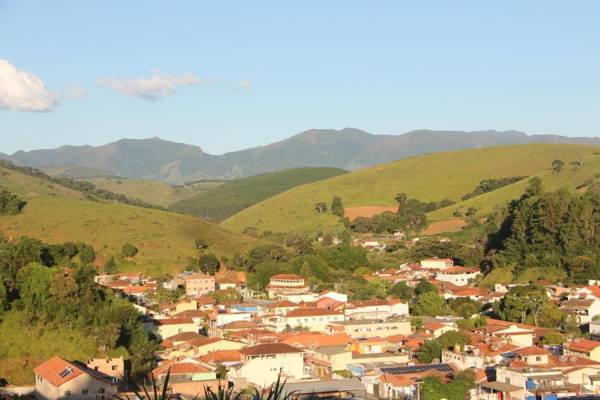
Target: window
x,y
67,392
84,391
538,358
114,367
101,390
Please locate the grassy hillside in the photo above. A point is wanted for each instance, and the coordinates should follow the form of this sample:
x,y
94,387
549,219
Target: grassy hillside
x,y
430,177
152,191
165,240
223,201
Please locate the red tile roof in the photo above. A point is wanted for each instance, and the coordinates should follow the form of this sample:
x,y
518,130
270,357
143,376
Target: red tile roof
x,y
310,312
582,345
180,368
532,351
287,277
269,348
219,356
310,340
51,371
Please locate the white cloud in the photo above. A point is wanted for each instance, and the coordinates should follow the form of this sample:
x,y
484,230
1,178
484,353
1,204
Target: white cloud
x,y
77,92
23,91
245,84
154,88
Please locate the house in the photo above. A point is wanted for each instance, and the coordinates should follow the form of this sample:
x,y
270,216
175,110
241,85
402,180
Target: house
x,y
437,263
305,340
330,294
111,367
402,382
323,361
594,328
198,284
585,348
307,317
481,353
583,309
516,334
366,328
220,317
229,279
57,378
325,389
375,308
282,307
187,377
437,329
166,327
222,357
531,382
458,276
286,283
305,297
262,364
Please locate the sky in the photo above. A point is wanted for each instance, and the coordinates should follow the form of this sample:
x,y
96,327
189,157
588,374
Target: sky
x,y
228,75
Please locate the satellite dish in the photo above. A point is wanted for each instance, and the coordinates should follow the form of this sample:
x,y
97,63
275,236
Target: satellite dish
x,y
486,340
495,347
435,361
573,359
563,358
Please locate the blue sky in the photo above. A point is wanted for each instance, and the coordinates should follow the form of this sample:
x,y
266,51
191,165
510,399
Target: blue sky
x,y
236,74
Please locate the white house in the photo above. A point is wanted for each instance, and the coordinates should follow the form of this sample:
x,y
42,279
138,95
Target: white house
x,y
57,378
458,276
315,319
261,364
340,297
375,308
584,310
437,263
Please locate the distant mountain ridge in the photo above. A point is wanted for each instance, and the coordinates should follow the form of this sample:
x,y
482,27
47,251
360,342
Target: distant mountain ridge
x,y
348,148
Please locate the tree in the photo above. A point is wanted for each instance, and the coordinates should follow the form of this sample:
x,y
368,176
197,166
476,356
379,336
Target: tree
x,y
557,166
432,349
87,254
110,266
553,338
129,250
200,244
337,208
524,304
209,263
321,207
402,291
424,287
10,204
401,199
431,304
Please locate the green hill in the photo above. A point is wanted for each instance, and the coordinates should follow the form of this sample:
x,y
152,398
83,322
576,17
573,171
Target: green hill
x,y
152,191
428,178
56,214
223,201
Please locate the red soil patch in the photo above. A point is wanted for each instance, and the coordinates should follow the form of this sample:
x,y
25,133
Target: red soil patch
x,y
367,211
448,225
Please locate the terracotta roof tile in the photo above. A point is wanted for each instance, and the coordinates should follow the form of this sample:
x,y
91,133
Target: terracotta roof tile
x,y
270,348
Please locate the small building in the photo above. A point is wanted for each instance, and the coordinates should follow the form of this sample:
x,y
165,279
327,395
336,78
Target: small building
x,y
109,366
584,310
167,327
187,377
262,364
198,284
57,378
585,348
437,263
458,276
286,283
367,328
306,317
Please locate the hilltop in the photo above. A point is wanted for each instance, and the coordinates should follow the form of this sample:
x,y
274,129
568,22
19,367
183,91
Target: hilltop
x,y
223,201
165,240
428,178
350,149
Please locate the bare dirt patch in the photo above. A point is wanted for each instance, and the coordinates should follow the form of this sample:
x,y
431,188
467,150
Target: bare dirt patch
x,y
448,225
367,211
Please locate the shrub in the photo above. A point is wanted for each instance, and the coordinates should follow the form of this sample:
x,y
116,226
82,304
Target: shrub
x,y
129,250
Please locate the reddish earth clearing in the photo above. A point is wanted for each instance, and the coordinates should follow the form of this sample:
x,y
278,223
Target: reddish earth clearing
x,y
367,211
448,225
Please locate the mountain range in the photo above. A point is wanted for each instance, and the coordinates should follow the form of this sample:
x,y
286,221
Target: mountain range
x,y
349,148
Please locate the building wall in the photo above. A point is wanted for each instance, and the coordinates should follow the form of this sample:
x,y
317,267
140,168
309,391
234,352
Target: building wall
x,y
114,367
96,389
357,331
199,286
165,331
456,279
263,371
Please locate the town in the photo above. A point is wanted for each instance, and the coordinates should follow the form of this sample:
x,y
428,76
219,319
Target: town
x,y
322,344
